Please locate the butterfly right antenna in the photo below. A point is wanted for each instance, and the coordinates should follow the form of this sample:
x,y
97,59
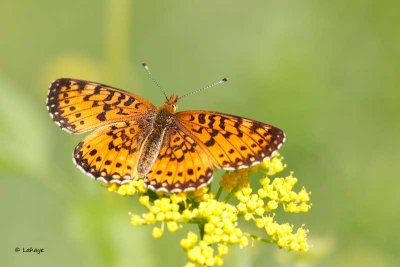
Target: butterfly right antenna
x,y
151,77
204,88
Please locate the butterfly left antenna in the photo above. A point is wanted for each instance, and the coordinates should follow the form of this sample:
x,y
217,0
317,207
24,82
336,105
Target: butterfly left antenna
x,y
146,67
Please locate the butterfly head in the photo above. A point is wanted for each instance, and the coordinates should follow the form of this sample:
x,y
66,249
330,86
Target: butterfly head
x,y
171,104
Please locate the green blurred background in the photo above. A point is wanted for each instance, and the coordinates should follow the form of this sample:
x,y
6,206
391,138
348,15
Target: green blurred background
x,y
327,72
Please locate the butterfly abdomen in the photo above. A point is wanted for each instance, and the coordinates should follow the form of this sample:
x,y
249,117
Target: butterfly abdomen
x,y
151,149
153,143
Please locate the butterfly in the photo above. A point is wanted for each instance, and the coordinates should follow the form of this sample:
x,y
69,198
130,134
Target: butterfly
x,y
172,151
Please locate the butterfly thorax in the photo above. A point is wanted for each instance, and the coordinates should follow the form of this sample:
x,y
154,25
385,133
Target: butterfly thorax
x,y
163,120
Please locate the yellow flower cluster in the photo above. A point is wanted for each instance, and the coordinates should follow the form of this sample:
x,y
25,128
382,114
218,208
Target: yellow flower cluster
x,y
270,166
254,208
280,190
218,220
165,210
219,228
128,189
282,234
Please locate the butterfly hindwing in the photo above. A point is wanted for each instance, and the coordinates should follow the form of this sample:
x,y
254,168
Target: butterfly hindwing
x,y
232,142
182,165
111,154
78,106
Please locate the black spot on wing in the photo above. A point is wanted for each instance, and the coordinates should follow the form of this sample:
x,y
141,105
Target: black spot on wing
x,y
210,142
101,116
129,101
202,118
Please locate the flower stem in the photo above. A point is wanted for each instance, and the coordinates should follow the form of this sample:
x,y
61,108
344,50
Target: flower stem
x,y
228,196
218,193
197,221
269,241
201,229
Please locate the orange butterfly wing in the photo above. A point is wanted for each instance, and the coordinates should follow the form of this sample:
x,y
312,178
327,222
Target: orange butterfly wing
x,y
111,154
182,164
231,142
78,106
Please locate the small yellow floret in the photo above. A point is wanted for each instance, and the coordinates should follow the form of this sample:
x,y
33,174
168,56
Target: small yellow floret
x,y
157,232
172,226
144,200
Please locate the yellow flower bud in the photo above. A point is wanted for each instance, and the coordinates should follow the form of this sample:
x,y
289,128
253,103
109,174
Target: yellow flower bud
x,y
294,246
210,262
208,239
157,232
209,228
218,261
168,215
112,187
244,241
174,207
136,220
216,238
262,193
225,238
270,228
194,253
251,205
160,217
172,226
185,243
192,237
149,217
144,200
154,209
259,211
248,216
233,239
187,214
242,207
303,195
177,198
247,191
121,190
260,222
176,216
272,205
207,252
265,181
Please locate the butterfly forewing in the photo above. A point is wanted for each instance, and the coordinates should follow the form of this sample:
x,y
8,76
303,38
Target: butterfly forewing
x,y
182,164
79,106
111,153
232,142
